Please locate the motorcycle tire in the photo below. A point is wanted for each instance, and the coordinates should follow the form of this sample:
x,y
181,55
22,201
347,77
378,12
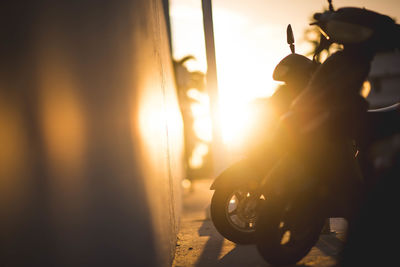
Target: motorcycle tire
x,y
235,231
285,241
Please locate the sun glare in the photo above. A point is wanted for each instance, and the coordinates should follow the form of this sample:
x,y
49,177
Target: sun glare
x,y
199,152
236,94
246,54
246,58
233,121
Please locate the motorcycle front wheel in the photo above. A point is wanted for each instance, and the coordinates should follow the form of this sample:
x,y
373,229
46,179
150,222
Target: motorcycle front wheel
x,y
233,212
285,234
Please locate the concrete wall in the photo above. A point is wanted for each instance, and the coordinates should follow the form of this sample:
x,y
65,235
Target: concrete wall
x,y
90,134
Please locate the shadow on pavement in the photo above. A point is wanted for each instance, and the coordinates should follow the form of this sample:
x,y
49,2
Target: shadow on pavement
x,y
201,245
212,248
220,252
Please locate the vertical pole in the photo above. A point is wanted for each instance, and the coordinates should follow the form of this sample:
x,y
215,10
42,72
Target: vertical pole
x,y
212,87
167,22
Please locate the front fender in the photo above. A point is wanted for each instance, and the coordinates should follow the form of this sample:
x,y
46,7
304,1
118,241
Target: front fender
x,y
237,174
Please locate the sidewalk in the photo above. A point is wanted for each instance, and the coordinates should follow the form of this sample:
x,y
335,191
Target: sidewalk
x,y
199,244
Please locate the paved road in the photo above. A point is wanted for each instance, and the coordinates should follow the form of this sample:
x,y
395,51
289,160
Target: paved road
x,y
199,244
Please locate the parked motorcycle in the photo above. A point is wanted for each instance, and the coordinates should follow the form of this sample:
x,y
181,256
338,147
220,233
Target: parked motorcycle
x,y
236,197
323,169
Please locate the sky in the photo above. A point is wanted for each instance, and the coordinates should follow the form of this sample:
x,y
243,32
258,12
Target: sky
x,y
250,36
250,39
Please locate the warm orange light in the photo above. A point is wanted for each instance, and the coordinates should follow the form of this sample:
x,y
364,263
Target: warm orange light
x,y
244,123
14,155
12,139
241,79
200,109
62,121
186,183
245,57
238,118
199,152
235,119
156,125
366,89
202,126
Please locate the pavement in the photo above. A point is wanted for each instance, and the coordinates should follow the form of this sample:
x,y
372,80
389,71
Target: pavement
x,y
199,244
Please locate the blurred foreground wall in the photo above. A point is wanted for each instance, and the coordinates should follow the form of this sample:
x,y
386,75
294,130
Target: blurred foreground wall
x,y
90,134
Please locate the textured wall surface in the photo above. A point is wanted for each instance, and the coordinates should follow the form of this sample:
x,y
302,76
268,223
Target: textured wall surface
x,y
90,134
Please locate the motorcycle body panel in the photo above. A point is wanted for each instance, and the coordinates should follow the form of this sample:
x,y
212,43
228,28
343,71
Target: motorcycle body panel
x,y
237,175
322,176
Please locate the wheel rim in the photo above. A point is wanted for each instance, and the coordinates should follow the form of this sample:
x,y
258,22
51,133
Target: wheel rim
x,y
240,210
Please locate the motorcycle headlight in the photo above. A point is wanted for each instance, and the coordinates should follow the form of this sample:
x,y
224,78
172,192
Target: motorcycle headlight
x,y
346,33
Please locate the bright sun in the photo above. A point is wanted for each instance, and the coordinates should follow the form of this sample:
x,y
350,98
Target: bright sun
x,y
240,80
246,54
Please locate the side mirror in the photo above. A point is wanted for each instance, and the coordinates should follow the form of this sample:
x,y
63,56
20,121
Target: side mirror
x,y
290,38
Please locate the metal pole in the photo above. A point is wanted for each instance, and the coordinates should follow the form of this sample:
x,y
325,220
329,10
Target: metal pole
x,y
212,86
167,22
